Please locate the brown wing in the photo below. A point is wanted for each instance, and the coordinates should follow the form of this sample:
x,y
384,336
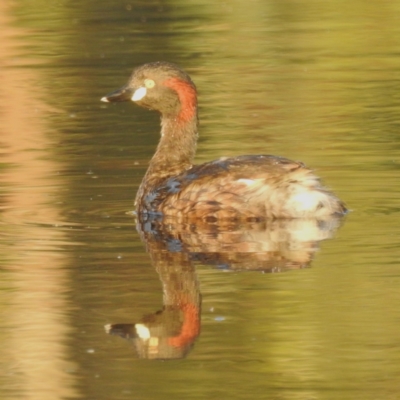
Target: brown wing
x,y
229,188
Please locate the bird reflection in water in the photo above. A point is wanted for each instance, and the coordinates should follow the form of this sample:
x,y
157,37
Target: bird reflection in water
x,y
264,246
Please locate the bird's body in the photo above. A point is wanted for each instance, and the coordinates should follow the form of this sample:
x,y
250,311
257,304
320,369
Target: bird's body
x,y
250,187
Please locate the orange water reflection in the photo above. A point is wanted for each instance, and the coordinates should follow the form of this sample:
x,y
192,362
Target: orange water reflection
x,y
36,327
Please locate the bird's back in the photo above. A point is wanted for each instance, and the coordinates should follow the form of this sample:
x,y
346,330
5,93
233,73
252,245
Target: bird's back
x,y
245,188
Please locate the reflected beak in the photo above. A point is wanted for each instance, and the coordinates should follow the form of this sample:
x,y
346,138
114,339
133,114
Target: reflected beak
x,y
123,94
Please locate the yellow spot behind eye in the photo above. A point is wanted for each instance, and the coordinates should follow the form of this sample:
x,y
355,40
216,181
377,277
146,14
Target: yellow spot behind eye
x,y
149,83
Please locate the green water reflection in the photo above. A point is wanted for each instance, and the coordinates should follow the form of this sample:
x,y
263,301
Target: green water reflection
x,y
308,80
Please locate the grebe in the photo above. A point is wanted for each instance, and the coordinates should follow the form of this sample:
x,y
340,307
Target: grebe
x,y
249,187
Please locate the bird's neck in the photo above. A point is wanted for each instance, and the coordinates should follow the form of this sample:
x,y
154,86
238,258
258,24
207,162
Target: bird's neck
x,y
174,155
176,148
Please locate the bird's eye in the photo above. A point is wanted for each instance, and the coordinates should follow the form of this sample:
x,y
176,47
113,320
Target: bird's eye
x,y
149,83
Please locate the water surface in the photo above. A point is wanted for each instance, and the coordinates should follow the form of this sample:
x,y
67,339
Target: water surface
x,y
312,81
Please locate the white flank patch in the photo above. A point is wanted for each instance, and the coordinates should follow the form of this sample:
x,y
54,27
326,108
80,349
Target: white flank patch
x,y
139,94
247,182
142,331
308,200
104,99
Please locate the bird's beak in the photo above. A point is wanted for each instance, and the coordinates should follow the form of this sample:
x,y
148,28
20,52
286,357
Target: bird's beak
x,y
123,94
